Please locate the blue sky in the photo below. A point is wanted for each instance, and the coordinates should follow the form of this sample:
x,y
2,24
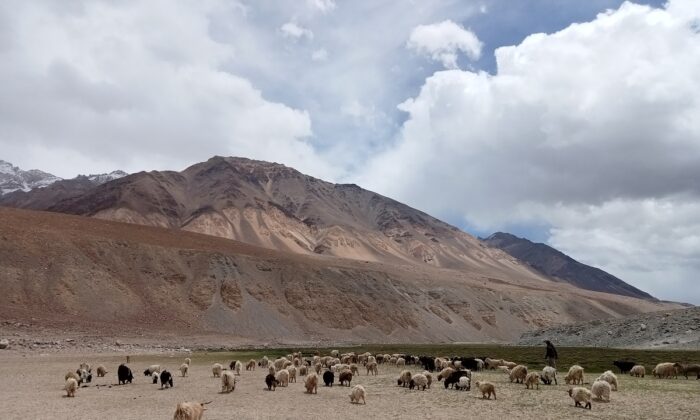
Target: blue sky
x,y
569,122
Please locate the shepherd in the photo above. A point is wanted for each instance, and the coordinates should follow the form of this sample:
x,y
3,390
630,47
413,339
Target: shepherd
x,y
551,355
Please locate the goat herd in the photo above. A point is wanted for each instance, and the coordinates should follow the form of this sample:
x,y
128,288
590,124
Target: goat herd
x,y
454,372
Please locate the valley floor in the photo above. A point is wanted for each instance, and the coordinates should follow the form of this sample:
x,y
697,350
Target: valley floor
x,y
31,387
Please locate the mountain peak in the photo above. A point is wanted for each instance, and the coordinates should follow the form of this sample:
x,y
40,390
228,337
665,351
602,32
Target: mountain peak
x,y
12,178
555,263
502,236
7,167
259,170
102,178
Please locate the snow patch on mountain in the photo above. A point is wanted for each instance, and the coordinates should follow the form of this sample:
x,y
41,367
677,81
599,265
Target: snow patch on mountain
x,y
13,178
102,178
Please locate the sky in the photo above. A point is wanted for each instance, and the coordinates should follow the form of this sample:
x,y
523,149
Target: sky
x,y
574,123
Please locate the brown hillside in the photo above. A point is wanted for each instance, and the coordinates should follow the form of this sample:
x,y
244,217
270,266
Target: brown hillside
x,y
277,207
67,270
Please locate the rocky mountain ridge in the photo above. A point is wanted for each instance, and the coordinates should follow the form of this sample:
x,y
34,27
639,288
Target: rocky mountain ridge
x,y
52,189
555,263
13,178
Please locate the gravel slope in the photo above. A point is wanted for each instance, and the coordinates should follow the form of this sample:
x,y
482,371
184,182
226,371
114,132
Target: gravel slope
x,y
672,329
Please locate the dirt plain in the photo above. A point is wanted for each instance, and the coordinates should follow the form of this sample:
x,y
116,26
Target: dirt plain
x,y
32,389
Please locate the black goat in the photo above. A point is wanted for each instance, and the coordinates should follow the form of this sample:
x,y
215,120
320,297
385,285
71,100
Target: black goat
x,y
454,377
467,362
124,374
328,378
166,379
271,382
427,362
624,365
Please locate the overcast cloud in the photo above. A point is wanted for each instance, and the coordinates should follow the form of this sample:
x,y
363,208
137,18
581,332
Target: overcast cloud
x,y
587,135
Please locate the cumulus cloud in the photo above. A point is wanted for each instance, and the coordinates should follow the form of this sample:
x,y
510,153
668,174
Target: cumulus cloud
x,y
106,55
593,123
295,31
443,41
96,83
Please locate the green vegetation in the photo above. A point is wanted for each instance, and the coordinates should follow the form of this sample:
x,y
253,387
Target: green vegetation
x,y
591,358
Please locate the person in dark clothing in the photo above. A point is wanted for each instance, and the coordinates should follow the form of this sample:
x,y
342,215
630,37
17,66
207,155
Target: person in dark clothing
x,y
551,355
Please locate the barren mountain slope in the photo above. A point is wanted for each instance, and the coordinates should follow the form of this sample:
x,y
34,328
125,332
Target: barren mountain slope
x,y
552,262
43,196
66,270
277,207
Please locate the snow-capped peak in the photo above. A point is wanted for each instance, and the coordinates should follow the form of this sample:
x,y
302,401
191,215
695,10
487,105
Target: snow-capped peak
x,y
102,178
13,178
7,168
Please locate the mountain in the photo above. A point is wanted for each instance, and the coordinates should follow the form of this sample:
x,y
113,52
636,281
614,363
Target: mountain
x,y
116,279
99,179
554,263
276,207
44,196
13,178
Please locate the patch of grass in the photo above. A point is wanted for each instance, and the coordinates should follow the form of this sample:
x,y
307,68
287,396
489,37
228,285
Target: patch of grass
x,y
591,358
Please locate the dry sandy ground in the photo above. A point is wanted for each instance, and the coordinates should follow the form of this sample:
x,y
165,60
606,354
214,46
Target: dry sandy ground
x,y
31,388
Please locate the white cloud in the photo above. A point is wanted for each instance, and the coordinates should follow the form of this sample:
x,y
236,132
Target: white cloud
x,y
295,31
98,83
366,61
324,6
443,41
366,114
653,242
109,57
597,119
319,55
